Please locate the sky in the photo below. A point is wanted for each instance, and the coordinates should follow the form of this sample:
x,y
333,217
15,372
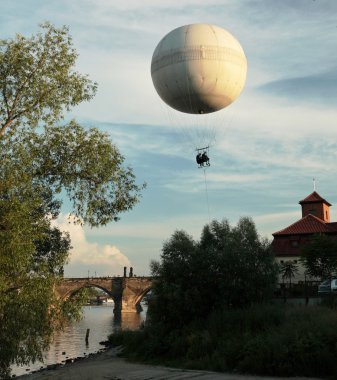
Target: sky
x,y
270,143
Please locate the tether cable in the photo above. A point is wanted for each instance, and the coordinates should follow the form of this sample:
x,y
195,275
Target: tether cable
x,y
206,191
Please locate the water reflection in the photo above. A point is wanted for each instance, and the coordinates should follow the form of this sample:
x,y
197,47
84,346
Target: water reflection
x,y
128,321
70,343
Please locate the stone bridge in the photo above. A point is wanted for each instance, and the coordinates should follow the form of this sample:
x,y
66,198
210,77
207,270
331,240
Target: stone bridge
x,y
127,292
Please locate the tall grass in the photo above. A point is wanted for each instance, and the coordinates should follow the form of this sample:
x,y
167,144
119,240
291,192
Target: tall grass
x,y
262,339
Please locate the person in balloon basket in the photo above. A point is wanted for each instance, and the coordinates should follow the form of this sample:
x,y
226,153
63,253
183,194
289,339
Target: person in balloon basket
x,y
199,159
202,159
205,159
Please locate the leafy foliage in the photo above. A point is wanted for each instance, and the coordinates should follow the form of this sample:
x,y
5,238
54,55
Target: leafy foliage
x,y
319,257
42,163
37,80
32,255
228,267
82,162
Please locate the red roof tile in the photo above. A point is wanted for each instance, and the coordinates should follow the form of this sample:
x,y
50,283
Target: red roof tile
x,y
310,224
314,198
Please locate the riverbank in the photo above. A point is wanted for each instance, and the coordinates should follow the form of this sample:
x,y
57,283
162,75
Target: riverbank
x,y
107,365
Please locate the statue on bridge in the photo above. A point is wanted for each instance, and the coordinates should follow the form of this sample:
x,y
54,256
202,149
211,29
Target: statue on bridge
x,y
130,272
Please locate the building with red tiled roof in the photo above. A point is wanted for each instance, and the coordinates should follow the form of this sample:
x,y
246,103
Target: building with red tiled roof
x,y
289,241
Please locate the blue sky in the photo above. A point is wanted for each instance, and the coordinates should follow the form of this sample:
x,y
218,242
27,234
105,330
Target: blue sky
x,y
270,143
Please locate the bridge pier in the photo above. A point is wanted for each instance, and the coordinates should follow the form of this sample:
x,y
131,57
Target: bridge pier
x,y
134,290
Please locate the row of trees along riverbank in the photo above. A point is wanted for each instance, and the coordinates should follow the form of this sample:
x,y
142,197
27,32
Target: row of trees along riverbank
x,y
212,309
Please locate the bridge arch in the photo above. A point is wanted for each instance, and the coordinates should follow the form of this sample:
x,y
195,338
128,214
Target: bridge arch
x,y
73,291
138,299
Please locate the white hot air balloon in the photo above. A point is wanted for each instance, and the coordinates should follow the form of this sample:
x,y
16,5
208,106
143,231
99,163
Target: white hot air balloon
x,y
198,68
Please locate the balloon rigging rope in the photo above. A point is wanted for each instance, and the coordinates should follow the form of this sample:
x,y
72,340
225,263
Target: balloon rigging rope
x,y
206,190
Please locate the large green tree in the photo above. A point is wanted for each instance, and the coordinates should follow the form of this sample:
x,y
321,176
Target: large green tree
x,y
228,267
44,162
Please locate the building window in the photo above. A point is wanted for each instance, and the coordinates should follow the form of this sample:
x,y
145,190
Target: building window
x,y
281,261
294,243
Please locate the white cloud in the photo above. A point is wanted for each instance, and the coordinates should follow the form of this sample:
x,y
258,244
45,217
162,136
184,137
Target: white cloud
x,y
278,219
193,182
267,224
104,260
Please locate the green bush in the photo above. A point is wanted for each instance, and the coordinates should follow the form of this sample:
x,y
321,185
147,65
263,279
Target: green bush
x,y
277,340
303,345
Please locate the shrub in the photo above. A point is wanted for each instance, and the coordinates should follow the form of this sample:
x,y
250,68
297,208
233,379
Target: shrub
x,y
276,340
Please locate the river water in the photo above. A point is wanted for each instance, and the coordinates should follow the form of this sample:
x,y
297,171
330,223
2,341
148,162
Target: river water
x,y
70,343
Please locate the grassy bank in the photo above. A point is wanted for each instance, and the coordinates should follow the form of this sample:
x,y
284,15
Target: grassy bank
x,y
262,340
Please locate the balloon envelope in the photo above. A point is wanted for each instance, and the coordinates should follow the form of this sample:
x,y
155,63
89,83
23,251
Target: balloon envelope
x,y
198,68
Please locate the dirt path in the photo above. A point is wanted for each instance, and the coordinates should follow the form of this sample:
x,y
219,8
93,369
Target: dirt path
x,y
107,366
